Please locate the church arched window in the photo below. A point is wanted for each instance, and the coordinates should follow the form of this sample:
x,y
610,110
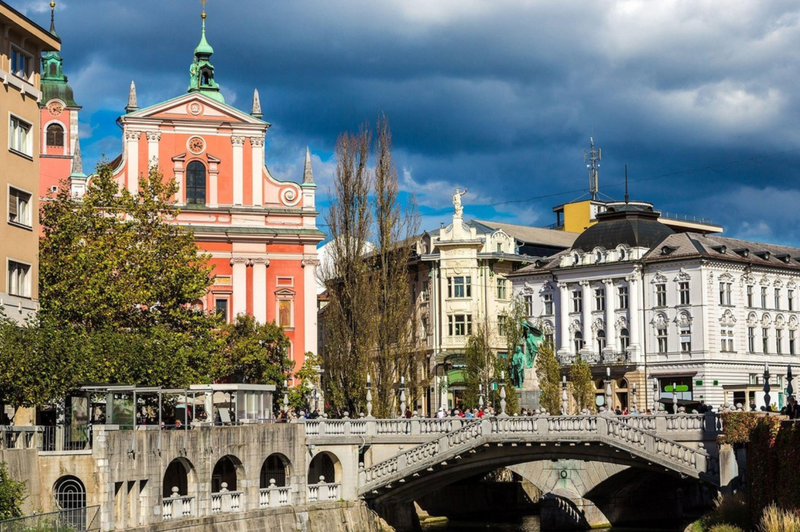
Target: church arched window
x,y
196,183
55,135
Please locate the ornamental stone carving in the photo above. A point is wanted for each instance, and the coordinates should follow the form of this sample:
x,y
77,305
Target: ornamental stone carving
x,y
683,319
153,136
575,326
621,323
779,322
132,135
310,262
792,323
261,260
257,142
659,278
682,276
766,320
752,319
598,325
726,278
659,320
237,140
764,281
238,260
778,283
727,319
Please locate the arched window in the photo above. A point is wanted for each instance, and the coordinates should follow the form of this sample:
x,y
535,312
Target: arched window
x,y
196,183
578,342
71,498
601,340
55,135
624,339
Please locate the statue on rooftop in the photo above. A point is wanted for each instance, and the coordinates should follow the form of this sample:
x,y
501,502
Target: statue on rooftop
x,y
457,201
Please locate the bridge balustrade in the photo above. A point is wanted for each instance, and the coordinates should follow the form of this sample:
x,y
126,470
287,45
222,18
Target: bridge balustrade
x,y
323,491
226,501
273,496
177,506
383,427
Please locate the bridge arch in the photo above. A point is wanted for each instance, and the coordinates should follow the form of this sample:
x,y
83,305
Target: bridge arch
x,y
276,467
228,470
181,474
325,465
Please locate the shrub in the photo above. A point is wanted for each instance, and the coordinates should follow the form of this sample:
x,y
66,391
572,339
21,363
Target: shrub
x,y
775,519
729,510
725,528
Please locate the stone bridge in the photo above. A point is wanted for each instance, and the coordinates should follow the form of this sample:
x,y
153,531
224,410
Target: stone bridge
x,y
148,477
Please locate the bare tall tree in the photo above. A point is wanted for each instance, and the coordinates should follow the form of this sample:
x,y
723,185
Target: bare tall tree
x,y
368,321
395,228
350,325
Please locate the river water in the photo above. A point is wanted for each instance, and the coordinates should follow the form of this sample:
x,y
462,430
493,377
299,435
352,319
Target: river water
x,y
520,523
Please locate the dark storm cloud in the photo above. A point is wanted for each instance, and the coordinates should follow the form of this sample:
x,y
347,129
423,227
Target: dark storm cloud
x,y
497,96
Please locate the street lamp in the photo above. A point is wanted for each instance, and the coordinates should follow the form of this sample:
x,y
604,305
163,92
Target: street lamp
x,y
766,388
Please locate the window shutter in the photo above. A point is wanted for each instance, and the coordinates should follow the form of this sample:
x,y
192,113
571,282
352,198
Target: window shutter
x,y
12,205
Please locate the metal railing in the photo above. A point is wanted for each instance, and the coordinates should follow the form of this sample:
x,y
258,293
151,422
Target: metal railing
x,y
46,437
74,520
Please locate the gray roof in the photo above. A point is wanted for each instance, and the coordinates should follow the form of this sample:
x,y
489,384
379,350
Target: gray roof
x,y
530,235
695,245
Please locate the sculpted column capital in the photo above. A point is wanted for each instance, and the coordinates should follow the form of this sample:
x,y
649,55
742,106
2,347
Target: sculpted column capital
x,y
237,140
310,262
153,136
256,142
132,135
261,260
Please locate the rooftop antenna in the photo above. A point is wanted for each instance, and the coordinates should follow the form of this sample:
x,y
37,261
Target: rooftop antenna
x,y
626,184
593,157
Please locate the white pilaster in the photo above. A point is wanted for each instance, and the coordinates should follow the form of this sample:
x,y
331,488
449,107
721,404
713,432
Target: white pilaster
x,y
239,286
152,147
310,303
257,152
132,155
634,284
563,314
238,170
260,289
611,337
586,316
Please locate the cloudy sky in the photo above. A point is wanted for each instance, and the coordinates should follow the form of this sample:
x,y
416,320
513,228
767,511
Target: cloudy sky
x,y
698,97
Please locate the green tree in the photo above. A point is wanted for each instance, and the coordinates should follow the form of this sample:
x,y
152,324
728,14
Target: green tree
x,y
516,315
308,379
484,368
12,494
549,372
580,377
112,259
253,352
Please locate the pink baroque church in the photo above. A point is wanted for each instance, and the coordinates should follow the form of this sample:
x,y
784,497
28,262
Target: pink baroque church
x,y
261,233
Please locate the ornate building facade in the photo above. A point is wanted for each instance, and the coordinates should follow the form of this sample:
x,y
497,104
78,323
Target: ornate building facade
x,y
260,233
692,317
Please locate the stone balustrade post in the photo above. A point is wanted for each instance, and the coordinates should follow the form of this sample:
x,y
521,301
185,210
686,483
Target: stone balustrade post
x,y
322,494
401,462
348,427
443,444
372,428
661,424
415,426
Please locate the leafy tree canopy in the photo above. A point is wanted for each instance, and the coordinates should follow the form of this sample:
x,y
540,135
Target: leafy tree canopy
x,y
12,494
253,352
111,259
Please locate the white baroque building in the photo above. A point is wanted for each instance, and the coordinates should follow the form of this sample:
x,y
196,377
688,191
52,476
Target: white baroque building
x,y
698,314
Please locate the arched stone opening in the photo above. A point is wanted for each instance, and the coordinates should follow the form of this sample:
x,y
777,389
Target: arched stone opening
x,y
70,495
227,471
179,474
276,467
324,467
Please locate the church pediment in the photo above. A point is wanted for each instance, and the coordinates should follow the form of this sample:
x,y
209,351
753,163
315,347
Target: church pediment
x,y
195,106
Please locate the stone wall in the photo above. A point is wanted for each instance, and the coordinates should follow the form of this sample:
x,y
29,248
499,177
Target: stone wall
x,y
353,516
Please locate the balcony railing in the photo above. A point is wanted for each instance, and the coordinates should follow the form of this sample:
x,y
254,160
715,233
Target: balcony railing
x,y
76,437
323,491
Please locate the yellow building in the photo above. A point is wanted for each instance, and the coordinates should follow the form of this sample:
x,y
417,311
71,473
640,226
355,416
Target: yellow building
x,y
21,45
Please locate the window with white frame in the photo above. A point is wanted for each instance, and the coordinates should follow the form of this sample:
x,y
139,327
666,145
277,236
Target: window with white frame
x,y
661,295
764,340
19,207
624,339
778,341
578,341
221,308
599,299
683,291
749,295
686,339
502,324
725,293
726,340
661,335
502,288
601,340
19,282
792,349
460,286
777,298
529,305
459,324
763,297
19,136
622,292
20,63
547,299
790,299
285,313
577,301
751,339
